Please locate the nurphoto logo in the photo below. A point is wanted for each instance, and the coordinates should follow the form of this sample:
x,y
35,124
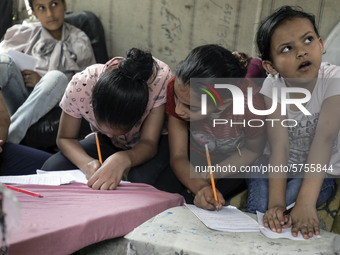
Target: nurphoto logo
x,y
241,98
238,99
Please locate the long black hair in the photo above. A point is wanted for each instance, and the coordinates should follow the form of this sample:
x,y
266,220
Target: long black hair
x,y
210,61
121,95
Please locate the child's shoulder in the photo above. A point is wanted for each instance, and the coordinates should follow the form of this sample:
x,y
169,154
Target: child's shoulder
x,y
74,30
329,71
25,29
89,75
162,66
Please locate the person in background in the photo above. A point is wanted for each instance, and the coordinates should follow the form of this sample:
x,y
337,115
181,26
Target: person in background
x,y
16,159
61,50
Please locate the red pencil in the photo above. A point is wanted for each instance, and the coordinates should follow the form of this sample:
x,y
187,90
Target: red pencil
x,y
22,190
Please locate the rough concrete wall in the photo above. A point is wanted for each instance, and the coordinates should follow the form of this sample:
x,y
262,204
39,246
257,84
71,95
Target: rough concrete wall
x,y
170,28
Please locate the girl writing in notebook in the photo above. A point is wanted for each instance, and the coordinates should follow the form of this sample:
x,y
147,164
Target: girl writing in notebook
x,y
61,50
124,101
229,145
291,50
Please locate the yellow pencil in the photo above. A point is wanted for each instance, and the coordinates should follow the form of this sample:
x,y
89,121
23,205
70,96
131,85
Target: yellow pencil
x,y
211,174
98,149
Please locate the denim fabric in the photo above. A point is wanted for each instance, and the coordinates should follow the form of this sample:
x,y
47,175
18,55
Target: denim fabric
x,y
258,192
26,107
12,84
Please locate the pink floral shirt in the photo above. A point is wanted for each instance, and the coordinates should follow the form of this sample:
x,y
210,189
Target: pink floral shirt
x,y
76,101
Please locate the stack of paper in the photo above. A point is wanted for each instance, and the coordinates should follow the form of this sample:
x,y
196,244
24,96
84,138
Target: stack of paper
x,y
229,218
47,178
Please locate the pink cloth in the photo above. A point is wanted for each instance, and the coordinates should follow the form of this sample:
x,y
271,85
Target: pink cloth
x,y
70,217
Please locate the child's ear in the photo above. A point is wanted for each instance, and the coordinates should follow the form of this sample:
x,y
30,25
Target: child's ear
x,y
322,45
226,103
269,67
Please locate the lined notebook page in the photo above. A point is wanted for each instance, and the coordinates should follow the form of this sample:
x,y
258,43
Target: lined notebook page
x,y
229,219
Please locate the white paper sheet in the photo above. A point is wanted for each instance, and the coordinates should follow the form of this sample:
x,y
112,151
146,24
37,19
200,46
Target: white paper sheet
x,y
22,60
229,218
286,232
66,176
48,178
54,178
31,179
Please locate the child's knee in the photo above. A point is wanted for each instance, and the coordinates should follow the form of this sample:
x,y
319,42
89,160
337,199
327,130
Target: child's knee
x,y
56,76
7,63
53,83
5,59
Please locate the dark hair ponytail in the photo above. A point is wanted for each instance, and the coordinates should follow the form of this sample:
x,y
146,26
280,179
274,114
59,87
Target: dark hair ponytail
x,y
121,95
138,65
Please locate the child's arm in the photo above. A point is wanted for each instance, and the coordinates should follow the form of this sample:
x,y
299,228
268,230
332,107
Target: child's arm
x,y
67,141
180,164
304,216
279,145
110,173
249,153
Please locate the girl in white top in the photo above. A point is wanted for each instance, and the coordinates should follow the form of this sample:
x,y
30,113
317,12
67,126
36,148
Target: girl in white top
x,y
291,51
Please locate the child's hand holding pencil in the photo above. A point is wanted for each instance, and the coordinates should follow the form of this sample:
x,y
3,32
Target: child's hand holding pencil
x,y
209,197
91,168
205,199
